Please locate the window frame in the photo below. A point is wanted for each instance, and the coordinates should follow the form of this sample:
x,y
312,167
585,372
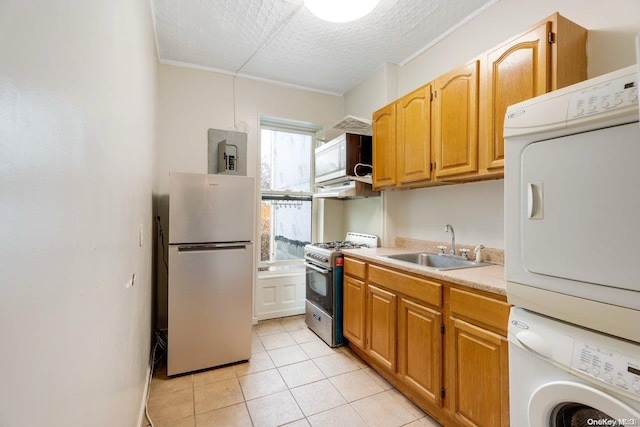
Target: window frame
x,y
288,126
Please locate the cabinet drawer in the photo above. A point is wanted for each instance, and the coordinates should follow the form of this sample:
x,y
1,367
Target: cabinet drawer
x,y
414,287
355,268
488,311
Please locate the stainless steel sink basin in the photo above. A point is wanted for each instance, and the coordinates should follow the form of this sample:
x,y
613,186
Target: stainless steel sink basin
x,y
437,262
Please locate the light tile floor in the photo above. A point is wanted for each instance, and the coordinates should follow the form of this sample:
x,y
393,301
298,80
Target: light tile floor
x,y
292,379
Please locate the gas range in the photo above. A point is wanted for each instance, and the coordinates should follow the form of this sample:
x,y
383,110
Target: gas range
x,y
324,265
326,253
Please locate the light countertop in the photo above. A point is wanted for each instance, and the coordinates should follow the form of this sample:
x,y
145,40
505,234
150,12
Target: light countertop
x,y
490,278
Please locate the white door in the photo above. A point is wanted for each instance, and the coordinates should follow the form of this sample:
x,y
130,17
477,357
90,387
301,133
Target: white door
x,y
580,210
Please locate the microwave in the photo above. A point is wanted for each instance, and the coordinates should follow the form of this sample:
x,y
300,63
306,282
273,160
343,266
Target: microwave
x,y
347,155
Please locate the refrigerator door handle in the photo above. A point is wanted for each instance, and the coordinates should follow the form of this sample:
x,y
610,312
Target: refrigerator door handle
x,y
213,246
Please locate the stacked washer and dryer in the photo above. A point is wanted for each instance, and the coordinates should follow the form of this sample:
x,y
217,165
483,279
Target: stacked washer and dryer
x,y
572,244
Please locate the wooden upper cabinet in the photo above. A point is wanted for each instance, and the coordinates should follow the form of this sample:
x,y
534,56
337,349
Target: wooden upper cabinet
x,y
413,122
549,56
384,147
459,130
455,122
516,71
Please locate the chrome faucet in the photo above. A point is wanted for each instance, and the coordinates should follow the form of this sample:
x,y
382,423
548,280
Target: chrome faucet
x,y
448,228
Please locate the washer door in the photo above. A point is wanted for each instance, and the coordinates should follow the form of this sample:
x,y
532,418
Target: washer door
x,y
570,404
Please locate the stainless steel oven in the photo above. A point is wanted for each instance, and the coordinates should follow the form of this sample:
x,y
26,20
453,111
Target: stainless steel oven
x,y
320,286
323,306
324,268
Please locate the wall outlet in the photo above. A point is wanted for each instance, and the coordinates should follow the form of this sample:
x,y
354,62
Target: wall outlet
x,y
131,281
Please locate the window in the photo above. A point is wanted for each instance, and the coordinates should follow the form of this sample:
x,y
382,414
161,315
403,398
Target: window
x,y
286,189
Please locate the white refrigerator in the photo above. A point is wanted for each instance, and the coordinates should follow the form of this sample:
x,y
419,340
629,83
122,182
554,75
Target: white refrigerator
x,y
211,224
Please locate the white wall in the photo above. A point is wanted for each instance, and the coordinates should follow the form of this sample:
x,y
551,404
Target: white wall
x,y
77,120
374,92
475,210
192,101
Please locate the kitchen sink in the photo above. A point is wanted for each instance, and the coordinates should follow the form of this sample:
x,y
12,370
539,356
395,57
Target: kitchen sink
x,y
435,261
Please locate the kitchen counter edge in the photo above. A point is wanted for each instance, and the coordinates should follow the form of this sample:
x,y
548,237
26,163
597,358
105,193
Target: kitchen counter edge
x,y
490,278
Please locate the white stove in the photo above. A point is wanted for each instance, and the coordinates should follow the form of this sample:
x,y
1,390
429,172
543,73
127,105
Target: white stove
x,y
324,265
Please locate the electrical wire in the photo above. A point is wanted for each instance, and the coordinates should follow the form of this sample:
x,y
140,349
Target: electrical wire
x,y
161,342
355,169
161,235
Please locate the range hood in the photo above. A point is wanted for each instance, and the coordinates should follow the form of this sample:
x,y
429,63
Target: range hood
x,y
349,124
351,188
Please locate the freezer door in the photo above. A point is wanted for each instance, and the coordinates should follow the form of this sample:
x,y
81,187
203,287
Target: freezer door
x,y
210,288
210,208
579,209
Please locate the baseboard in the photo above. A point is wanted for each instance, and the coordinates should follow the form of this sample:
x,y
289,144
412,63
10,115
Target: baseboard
x,y
281,313
142,416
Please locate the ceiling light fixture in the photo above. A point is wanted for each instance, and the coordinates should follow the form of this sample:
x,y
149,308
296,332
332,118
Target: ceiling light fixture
x,y
340,10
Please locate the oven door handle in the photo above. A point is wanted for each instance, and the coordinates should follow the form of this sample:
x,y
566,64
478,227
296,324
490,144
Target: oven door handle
x,y
318,269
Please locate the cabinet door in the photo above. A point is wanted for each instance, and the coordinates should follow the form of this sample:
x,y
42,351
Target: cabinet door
x,y
455,121
420,349
516,71
478,385
381,326
354,310
384,147
413,143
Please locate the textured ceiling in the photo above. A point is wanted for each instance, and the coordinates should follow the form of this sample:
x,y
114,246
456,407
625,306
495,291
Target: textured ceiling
x,y
281,41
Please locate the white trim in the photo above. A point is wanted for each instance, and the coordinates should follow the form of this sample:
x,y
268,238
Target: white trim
x,y
447,33
246,76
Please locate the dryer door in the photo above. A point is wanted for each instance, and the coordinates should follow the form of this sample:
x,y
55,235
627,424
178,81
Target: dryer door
x,y
578,216
568,404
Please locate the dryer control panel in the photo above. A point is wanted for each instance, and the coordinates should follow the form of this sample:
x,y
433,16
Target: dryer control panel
x,y
614,94
616,369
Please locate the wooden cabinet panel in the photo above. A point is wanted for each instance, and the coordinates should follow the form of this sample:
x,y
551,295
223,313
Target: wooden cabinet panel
x,y
413,122
355,292
514,72
478,376
487,311
455,121
384,147
422,289
420,349
355,268
381,326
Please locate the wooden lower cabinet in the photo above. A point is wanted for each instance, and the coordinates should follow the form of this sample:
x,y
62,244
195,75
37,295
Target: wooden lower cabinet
x,y
478,376
420,349
354,305
442,345
381,326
